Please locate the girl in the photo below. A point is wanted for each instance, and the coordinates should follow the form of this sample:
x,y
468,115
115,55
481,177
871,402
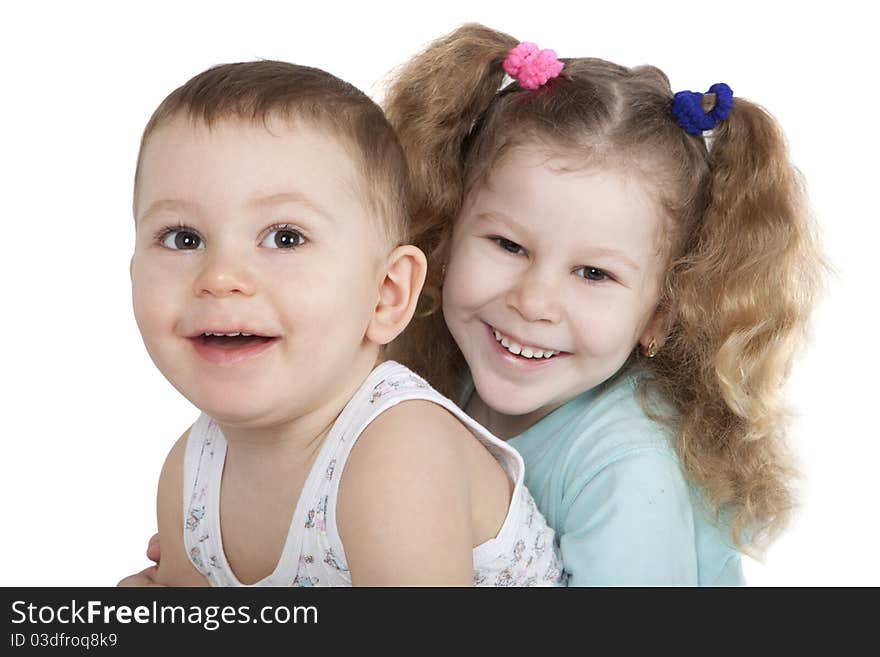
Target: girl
x,y
615,292
267,197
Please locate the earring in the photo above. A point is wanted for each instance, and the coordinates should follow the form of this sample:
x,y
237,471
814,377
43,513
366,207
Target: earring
x,y
651,350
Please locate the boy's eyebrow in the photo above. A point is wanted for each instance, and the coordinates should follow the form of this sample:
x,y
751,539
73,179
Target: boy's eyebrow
x,y
167,205
173,205
289,197
597,250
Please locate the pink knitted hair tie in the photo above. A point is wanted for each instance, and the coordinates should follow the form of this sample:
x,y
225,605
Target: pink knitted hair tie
x,y
530,66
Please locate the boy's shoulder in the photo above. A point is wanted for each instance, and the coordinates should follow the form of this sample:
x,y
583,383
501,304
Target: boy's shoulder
x,y
405,491
410,431
175,568
412,413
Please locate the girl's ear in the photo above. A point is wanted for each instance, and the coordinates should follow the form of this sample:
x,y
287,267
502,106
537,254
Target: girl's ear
x,y
658,328
398,294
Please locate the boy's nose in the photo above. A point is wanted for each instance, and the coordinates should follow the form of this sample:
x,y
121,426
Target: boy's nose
x,y
223,276
535,296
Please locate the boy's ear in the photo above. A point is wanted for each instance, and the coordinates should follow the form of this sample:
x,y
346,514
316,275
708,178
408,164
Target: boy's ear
x,y
398,294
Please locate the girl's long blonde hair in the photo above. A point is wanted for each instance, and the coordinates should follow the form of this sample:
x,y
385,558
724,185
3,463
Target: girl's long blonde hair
x,y
744,261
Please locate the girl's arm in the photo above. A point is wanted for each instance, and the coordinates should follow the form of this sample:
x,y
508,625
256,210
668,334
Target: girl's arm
x,y
404,511
146,577
631,522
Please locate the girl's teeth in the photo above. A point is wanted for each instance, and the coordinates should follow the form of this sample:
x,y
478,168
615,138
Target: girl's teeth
x,y
519,350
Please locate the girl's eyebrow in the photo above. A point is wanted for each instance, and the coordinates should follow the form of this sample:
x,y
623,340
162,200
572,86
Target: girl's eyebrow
x,y
496,215
615,254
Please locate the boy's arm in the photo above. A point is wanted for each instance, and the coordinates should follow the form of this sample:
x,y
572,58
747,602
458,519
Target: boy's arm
x,y
404,511
175,568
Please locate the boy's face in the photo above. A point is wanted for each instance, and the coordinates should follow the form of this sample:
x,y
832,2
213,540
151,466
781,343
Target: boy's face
x,y
242,229
557,261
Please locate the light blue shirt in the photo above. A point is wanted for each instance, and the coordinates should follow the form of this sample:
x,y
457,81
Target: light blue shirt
x,y
607,479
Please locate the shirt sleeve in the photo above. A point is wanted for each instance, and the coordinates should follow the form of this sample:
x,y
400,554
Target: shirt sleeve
x,y
630,523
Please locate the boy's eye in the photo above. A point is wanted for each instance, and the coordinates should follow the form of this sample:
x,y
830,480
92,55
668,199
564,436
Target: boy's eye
x,y
283,238
182,240
592,274
507,245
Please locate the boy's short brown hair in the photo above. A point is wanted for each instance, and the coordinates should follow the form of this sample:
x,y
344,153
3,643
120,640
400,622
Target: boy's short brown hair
x,y
260,90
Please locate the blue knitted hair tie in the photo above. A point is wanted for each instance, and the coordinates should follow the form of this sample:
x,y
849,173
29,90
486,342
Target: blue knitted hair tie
x,y
688,108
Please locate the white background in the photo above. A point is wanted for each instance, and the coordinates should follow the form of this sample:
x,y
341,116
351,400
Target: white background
x,y
87,419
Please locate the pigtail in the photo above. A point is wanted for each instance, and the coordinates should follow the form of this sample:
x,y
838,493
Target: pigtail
x,y
743,293
433,101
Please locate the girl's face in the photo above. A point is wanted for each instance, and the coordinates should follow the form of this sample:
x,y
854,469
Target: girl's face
x,y
554,275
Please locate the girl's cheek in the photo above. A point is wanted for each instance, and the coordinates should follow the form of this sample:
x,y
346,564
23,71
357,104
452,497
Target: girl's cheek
x,y
469,283
455,295
599,327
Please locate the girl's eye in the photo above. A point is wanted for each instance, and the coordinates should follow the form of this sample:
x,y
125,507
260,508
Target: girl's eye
x,y
507,245
283,238
182,240
592,274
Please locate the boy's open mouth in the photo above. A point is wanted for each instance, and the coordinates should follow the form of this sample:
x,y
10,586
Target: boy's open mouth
x,y
233,340
227,349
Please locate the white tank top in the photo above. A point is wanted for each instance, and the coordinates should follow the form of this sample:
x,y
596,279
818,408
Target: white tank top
x,y
524,553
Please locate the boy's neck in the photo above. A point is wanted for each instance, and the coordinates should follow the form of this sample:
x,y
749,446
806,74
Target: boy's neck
x,y
293,442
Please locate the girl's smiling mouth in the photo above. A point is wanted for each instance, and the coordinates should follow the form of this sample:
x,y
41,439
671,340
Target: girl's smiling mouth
x,y
525,351
519,354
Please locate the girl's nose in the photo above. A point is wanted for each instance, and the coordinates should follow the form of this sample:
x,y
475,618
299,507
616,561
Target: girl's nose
x,y
224,275
535,296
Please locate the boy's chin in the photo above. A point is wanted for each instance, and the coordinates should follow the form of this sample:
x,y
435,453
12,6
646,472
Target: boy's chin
x,y
238,410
